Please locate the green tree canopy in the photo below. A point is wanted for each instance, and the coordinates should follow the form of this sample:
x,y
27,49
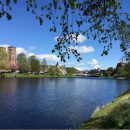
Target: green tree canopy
x,y
44,65
71,70
22,63
57,71
110,71
102,20
35,64
51,70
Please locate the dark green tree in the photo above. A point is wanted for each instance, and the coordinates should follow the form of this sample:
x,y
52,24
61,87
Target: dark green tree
x,y
44,65
102,20
51,70
22,63
110,71
57,71
34,64
71,70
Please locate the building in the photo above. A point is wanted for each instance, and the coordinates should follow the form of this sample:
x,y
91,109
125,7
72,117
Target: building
x,y
61,68
11,54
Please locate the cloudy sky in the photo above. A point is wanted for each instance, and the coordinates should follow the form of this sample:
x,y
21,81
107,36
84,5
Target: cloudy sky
x,y
25,33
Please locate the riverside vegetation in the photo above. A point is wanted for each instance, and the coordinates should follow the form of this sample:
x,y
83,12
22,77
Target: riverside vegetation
x,y
116,115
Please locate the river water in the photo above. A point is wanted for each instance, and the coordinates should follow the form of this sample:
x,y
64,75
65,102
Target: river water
x,y
58,103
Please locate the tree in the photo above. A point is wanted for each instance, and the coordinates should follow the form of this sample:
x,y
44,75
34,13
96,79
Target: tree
x,y
71,70
57,71
22,63
120,71
51,70
13,67
35,64
3,59
127,69
110,71
102,20
44,65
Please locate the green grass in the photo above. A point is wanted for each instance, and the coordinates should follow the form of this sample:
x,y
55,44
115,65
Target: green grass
x,y
116,115
9,75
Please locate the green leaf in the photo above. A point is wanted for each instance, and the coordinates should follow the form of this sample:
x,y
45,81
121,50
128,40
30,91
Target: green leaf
x,y
9,17
15,1
40,20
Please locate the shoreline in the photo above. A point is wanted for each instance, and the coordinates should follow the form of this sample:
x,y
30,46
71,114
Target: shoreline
x,y
20,75
14,75
114,115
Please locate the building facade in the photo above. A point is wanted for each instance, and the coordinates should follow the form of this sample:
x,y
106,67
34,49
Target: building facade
x,y
11,54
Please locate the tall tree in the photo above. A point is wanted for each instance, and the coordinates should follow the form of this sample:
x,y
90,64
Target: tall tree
x,y
110,71
35,64
44,65
71,70
3,59
57,71
51,70
102,20
22,63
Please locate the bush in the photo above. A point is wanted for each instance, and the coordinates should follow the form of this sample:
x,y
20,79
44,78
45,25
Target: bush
x,y
119,117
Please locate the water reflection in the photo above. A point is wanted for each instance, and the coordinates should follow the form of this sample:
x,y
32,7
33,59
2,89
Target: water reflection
x,y
54,102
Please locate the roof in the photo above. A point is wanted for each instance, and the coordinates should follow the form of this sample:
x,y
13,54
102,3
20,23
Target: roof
x,y
11,47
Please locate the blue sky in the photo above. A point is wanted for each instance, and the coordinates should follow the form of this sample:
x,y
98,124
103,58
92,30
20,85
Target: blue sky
x,y
25,33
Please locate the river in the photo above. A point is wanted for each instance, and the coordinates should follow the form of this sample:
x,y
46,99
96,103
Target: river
x,y
58,103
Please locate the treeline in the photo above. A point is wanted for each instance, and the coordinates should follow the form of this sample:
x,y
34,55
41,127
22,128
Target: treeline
x,y
121,70
31,64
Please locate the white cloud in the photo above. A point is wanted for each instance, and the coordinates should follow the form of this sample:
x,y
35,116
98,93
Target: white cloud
x,y
79,68
32,48
49,57
83,49
21,50
80,39
30,54
94,64
4,45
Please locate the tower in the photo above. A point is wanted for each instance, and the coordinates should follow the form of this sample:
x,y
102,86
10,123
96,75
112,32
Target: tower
x,y
3,48
11,55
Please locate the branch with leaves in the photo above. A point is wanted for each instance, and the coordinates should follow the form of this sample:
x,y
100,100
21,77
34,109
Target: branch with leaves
x,y
102,20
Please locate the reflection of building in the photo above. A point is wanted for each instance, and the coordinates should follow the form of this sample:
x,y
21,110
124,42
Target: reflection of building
x,y
11,54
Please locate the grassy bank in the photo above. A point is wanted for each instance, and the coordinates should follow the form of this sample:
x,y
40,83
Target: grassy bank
x,y
11,75
113,116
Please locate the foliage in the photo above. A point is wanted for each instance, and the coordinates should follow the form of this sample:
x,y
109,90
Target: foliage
x,y
71,70
102,20
34,64
51,70
12,67
116,115
120,71
57,71
22,63
110,71
3,59
119,117
44,65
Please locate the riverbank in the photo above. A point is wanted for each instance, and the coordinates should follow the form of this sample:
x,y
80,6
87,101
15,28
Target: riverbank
x,y
17,75
113,116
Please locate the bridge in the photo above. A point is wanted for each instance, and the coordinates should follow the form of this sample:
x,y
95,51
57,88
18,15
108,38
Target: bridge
x,y
88,75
